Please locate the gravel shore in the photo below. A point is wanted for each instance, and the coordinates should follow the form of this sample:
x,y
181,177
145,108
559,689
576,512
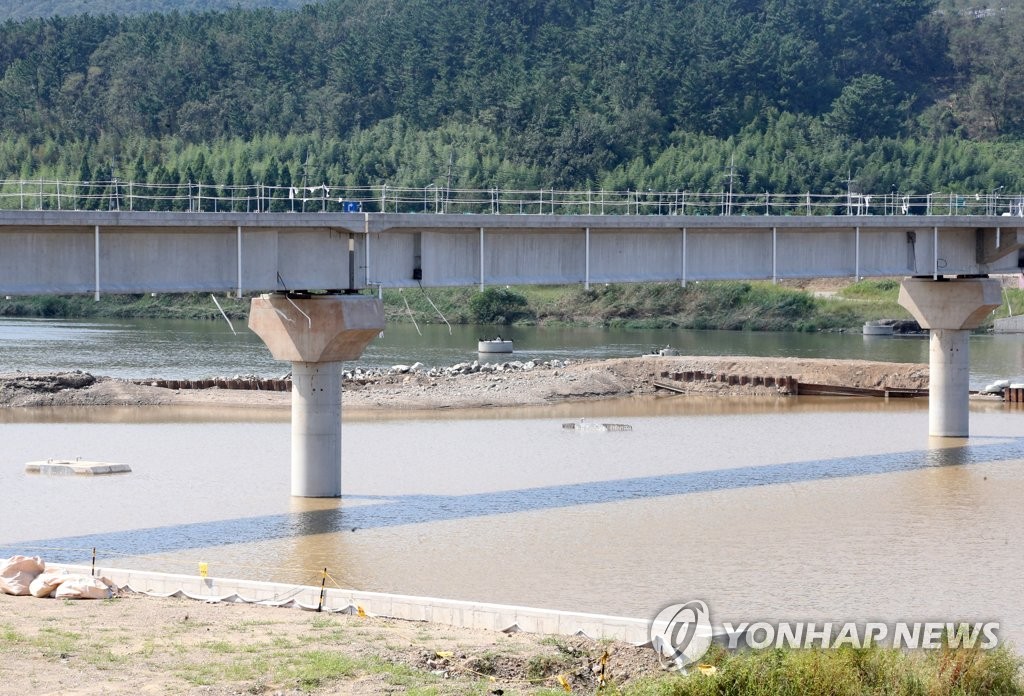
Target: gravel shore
x,y
471,385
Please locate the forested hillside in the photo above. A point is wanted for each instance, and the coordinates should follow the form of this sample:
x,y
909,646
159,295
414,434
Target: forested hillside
x,y
25,9
802,94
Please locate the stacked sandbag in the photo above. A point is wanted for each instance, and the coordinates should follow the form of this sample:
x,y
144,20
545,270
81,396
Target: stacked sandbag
x,y
20,575
84,587
18,572
46,582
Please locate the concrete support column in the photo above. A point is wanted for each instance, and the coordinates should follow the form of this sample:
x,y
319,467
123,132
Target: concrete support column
x,y
949,370
949,308
316,429
316,333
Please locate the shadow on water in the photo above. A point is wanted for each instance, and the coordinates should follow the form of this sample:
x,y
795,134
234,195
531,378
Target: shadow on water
x,y
369,512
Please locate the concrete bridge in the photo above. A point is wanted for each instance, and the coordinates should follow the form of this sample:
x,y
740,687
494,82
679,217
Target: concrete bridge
x,y
47,252
286,255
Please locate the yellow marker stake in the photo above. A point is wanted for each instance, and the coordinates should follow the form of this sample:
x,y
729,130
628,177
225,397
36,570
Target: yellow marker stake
x,y
203,568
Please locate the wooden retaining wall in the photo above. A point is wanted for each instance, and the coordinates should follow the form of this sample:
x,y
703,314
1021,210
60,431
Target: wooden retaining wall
x,y
675,381
254,384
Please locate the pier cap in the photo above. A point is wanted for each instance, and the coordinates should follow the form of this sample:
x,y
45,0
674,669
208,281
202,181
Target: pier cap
x,y
950,303
316,328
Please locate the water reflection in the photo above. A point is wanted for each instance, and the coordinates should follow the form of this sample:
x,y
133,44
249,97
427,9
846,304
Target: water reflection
x,y
310,518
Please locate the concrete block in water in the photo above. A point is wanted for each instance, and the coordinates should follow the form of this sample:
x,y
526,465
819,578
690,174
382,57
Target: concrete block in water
x,y
67,467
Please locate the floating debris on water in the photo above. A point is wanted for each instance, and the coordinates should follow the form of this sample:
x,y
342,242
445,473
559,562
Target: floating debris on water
x,y
584,427
67,467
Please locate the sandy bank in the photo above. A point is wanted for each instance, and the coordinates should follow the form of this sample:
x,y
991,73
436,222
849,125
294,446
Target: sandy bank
x,y
597,379
137,644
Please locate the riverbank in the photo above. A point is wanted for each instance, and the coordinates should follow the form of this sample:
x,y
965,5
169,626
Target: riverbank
x,y
139,644
826,304
475,386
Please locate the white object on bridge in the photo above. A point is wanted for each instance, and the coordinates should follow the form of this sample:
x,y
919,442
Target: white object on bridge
x,y
67,467
495,345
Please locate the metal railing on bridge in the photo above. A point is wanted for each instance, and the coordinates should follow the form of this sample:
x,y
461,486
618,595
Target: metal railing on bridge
x,y
44,194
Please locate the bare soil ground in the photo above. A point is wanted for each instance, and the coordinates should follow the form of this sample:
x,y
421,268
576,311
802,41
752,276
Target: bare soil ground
x,y
597,379
143,645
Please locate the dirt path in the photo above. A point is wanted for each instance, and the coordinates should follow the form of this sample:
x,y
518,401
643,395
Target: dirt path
x,y
144,645
445,389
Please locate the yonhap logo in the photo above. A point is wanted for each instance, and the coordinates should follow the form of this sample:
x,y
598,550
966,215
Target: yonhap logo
x,y
681,633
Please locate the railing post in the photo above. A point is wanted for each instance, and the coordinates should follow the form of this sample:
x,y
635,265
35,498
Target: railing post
x,y
775,256
586,265
683,280
856,255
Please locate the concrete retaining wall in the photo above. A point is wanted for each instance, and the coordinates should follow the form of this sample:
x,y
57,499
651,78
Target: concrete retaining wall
x,y
448,612
1010,324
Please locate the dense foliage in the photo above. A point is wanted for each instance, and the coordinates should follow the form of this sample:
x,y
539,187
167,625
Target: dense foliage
x,y
571,93
25,9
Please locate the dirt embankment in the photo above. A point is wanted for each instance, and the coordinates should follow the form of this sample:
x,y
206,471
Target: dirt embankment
x,y
145,645
477,388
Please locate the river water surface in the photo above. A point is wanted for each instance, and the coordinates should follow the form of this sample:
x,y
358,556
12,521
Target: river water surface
x,y
790,508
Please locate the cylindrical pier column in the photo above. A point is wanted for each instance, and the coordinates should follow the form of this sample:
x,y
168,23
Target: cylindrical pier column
x,y
949,371
316,429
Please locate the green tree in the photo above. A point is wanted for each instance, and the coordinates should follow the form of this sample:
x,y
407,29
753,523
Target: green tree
x,y
498,306
868,106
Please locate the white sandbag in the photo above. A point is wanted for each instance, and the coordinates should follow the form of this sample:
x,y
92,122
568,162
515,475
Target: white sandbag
x,y
18,572
46,583
84,587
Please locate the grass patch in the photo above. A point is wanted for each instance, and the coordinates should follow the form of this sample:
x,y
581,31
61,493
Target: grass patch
x,y
1013,303
726,305
848,671
880,290
10,636
324,622
313,669
139,306
543,666
54,642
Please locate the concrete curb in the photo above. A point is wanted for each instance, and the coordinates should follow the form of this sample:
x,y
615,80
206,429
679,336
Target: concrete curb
x,y
448,612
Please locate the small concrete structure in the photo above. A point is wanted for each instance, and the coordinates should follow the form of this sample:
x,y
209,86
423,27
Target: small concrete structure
x,y
316,333
949,308
873,328
1009,324
494,345
67,467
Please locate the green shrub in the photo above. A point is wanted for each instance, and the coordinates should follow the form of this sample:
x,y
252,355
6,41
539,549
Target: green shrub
x,y
498,306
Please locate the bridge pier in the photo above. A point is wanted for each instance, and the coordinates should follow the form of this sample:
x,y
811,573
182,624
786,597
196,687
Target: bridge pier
x,y
949,308
316,333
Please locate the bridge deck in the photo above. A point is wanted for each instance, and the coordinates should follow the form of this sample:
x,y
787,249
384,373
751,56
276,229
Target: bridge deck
x,y
46,252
